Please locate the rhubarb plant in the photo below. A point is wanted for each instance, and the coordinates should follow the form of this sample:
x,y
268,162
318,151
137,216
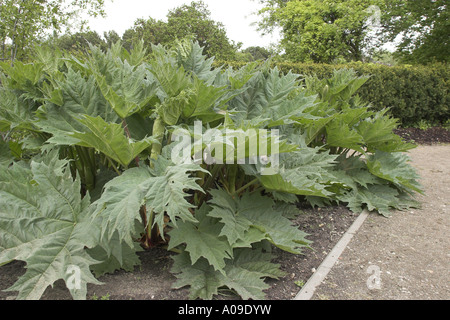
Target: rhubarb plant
x,y
116,152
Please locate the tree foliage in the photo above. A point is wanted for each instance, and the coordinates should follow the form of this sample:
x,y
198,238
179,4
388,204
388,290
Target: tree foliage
x,y
187,21
320,30
79,42
23,22
421,27
254,53
323,31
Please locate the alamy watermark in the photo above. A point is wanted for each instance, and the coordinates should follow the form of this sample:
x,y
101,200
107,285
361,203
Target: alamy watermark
x,y
374,281
374,21
260,147
73,282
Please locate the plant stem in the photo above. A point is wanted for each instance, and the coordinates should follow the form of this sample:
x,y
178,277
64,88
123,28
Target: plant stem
x,y
232,173
174,250
89,157
246,186
149,225
241,180
151,231
87,166
257,189
223,181
79,165
114,166
143,214
214,173
158,133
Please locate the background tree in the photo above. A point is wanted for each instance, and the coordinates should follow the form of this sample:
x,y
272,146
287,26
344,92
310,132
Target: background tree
x,y
254,53
187,21
23,22
257,53
79,41
421,27
151,31
111,37
320,30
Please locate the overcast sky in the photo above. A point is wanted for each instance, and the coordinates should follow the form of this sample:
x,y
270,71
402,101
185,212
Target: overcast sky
x,y
236,15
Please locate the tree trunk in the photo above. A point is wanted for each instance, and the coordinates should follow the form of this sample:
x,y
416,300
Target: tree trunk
x,y
3,36
14,44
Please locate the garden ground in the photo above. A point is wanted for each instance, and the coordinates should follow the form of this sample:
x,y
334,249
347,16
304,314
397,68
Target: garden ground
x,y
408,253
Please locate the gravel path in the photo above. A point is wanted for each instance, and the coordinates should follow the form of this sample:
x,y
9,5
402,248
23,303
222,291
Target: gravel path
x,y
405,257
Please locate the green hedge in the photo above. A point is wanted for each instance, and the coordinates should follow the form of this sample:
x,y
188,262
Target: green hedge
x,y
412,93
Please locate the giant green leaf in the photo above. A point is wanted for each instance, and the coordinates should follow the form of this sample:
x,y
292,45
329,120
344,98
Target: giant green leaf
x,y
23,76
15,112
262,93
247,271
171,77
6,157
120,203
190,56
344,83
114,255
225,208
313,127
202,239
166,193
111,140
239,215
378,134
291,111
80,97
338,89
280,231
353,172
340,134
162,190
127,88
204,99
395,167
381,198
201,277
44,222
277,87
245,274
303,172
171,109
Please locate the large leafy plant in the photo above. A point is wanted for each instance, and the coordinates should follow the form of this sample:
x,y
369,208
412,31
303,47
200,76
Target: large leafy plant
x,y
88,177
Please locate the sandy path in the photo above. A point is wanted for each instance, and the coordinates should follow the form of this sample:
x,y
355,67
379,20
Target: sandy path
x,y
408,253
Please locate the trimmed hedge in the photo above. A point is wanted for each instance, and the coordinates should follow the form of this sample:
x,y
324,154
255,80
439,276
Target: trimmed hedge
x,y
412,93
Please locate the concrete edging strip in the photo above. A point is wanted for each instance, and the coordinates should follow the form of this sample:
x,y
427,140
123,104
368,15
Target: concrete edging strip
x,y
316,279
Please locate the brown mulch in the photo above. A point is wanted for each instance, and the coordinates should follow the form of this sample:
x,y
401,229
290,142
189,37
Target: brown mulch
x,y
424,137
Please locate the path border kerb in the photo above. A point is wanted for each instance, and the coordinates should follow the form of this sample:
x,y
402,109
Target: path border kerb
x,y
322,271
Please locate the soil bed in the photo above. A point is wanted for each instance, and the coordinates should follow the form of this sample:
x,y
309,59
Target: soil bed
x,y
424,137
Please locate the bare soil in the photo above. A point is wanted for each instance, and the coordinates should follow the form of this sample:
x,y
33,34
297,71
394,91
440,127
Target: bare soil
x,y
430,136
411,249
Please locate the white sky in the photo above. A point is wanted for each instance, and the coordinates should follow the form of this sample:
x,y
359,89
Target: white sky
x,y
236,15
